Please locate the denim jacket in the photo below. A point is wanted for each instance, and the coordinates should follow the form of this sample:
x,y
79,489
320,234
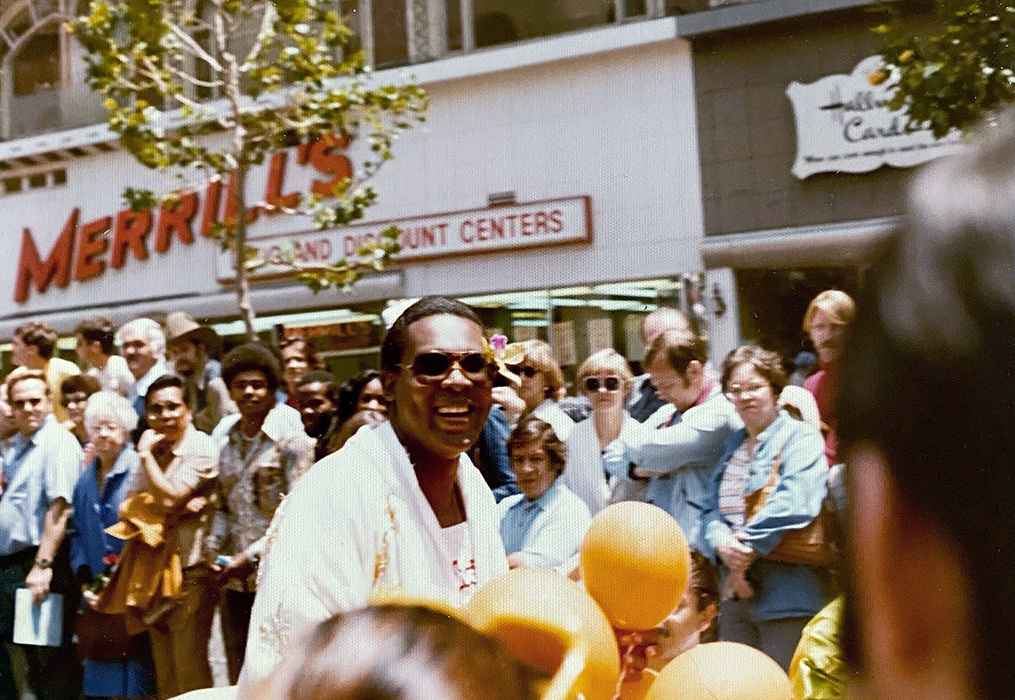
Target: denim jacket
x,y
780,589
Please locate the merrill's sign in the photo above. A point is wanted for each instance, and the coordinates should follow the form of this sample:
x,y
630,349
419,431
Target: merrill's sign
x,y
844,125
453,234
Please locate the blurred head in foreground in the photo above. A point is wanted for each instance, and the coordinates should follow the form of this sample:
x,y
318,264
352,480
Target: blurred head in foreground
x,y
394,652
926,415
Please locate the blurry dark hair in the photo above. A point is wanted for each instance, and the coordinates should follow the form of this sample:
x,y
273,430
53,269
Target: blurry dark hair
x,y
531,429
396,338
251,357
98,328
679,347
164,382
322,376
40,335
348,395
85,383
393,652
927,378
767,363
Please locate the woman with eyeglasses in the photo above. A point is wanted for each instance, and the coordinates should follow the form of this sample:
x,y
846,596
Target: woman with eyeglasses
x,y
74,392
766,603
125,671
605,378
542,386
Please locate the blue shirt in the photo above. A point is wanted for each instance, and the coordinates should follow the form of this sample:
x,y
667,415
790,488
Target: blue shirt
x,y
95,511
680,452
40,469
548,530
493,462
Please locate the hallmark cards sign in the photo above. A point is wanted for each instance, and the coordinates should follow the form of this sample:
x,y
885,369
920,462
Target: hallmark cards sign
x,y
843,124
451,234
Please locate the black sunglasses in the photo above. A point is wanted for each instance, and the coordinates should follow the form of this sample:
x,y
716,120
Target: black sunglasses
x,y
593,384
434,366
528,371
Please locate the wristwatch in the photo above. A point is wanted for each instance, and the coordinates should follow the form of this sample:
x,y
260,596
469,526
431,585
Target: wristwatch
x,y
44,563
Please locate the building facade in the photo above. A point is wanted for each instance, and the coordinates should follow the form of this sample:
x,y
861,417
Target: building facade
x,y
582,163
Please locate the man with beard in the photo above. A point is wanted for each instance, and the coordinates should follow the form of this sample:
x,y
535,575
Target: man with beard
x,y
400,508
264,454
188,345
317,401
825,321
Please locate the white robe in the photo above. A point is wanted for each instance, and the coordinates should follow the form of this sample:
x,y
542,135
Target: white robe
x,y
356,526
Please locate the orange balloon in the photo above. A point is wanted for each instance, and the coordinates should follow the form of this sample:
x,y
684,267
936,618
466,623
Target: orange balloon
x,y
636,690
635,564
721,671
551,623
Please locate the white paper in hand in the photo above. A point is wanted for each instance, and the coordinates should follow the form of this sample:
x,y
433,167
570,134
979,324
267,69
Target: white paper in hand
x,y
38,625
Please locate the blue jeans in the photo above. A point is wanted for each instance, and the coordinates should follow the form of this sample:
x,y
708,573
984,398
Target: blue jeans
x,y
777,638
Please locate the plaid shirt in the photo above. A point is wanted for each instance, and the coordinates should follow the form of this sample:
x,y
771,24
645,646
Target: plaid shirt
x,y
254,474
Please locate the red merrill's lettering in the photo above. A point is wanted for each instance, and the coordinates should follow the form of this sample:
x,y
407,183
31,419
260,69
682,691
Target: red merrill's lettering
x,y
92,247
132,228
176,220
57,266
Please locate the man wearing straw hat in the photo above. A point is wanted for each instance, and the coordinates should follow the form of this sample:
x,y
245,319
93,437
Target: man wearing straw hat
x,y
189,345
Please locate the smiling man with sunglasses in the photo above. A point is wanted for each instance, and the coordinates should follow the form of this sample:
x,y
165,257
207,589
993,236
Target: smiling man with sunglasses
x,y
399,509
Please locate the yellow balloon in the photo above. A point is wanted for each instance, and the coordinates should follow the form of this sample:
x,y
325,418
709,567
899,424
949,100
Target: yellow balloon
x,y
721,671
635,564
551,623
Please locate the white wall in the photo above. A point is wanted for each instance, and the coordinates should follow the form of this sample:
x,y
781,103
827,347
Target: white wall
x,y
616,125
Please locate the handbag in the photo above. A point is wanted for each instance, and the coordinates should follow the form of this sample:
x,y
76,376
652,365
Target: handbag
x,y
104,637
812,545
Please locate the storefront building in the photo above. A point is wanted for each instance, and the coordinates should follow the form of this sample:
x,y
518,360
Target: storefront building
x,y
555,185
803,167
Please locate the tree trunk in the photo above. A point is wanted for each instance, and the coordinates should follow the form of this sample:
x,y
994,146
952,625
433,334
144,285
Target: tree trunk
x,y
242,279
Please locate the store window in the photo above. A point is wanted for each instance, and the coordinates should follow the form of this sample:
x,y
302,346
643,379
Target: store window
x,y
577,321
390,33
773,302
502,21
36,68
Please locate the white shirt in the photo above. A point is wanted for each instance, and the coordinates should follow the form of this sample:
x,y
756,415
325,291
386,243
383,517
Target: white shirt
x,y
584,473
115,376
357,527
553,414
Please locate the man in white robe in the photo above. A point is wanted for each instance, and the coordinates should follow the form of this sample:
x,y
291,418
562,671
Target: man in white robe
x,y
400,509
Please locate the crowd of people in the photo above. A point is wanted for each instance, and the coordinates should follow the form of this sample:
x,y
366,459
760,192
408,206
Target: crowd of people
x,y
151,427
155,484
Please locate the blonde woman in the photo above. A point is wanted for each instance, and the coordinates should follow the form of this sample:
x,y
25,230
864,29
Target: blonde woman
x,y
605,377
542,386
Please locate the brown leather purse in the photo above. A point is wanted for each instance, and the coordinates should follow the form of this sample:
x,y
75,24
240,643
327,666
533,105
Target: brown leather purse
x,y
812,545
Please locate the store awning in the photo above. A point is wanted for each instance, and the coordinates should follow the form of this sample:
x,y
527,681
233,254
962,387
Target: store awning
x,y
848,243
222,305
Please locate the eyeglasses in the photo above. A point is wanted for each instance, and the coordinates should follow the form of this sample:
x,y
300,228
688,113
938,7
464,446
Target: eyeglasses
x,y
73,398
736,391
528,371
157,409
435,366
594,384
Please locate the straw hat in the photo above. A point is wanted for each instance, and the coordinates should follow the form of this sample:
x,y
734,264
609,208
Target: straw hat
x,y
181,326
